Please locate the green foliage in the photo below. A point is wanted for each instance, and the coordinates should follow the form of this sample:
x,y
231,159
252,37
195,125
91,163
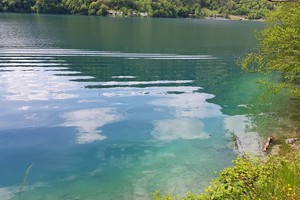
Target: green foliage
x,y
235,181
279,47
158,196
155,8
252,178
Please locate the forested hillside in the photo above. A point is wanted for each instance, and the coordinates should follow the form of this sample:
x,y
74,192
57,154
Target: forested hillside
x,y
252,9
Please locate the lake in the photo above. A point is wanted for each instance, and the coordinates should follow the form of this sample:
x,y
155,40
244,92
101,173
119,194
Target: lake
x,y
116,108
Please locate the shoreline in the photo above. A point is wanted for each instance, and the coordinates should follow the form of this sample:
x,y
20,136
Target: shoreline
x,y
216,17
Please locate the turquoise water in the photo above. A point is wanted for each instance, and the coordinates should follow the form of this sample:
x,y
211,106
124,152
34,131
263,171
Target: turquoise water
x,y
115,108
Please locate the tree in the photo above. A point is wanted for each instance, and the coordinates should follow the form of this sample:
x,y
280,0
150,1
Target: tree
x,y
183,12
84,9
279,48
103,10
94,7
154,8
38,6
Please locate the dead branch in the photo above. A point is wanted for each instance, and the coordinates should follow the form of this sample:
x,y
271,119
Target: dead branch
x,y
268,143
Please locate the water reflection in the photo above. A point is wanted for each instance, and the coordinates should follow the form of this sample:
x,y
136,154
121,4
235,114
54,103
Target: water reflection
x,y
139,83
47,52
76,52
152,91
88,122
190,105
35,83
146,75
183,128
247,140
143,116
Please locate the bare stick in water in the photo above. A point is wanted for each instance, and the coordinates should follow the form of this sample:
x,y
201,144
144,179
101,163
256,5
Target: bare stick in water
x,y
268,143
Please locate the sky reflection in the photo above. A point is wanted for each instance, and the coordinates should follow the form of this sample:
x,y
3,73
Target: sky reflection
x,y
190,105
184,128
185,103
110,54
32,83
88,122
241,126
188,109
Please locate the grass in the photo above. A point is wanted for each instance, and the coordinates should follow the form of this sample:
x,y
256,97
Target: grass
x,y
24,182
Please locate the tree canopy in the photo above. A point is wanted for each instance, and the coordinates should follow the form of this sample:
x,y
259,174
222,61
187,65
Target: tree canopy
x,y
252,9
279,48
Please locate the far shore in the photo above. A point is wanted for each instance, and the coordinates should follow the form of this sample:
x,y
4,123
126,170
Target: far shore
x,y
145,15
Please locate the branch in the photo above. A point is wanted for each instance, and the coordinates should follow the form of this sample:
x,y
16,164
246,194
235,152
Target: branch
x,y
268,143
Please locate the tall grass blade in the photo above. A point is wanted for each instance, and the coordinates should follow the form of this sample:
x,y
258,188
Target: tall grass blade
x,y
24,181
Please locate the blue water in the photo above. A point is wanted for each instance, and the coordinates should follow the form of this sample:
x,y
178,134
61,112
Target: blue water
x,y
116,108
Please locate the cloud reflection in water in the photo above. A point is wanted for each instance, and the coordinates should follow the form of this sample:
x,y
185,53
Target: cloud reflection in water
x,y
189,109
184,128
36,83
185,103
242,127
190,105
88,122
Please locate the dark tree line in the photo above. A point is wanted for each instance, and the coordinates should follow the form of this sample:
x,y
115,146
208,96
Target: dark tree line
x,y
253,9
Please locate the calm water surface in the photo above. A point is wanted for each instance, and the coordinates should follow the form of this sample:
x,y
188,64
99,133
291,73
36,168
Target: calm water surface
x,y
115,108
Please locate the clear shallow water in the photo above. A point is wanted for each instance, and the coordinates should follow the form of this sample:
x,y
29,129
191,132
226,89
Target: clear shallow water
x,y
115,108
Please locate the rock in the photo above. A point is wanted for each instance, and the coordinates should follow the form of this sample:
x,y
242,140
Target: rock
x,y
291,140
